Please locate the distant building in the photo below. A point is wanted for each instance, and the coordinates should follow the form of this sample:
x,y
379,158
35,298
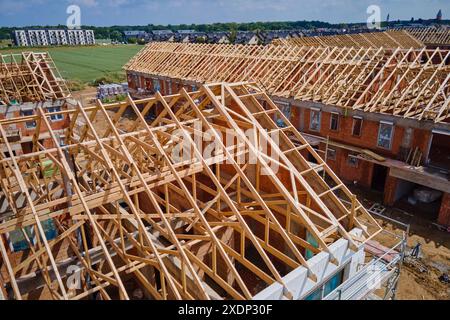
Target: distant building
x,y
53,37
58,37
270,35
186,31
190,36
134,34
247,37
219,37
439,15
162,35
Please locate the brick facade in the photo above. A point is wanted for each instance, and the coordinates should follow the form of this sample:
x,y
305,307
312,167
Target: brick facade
x,y
26,132
444,213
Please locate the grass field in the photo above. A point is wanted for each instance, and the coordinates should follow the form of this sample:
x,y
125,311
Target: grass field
x,y
87,64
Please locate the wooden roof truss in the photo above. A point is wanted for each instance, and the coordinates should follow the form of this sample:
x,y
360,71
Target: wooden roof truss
x,y
431,36
30,76
391,39
411,83
100,178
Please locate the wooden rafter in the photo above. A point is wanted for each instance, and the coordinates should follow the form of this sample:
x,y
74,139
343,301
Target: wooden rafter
x,y
199,227
390,39
432,36
30,76
411,83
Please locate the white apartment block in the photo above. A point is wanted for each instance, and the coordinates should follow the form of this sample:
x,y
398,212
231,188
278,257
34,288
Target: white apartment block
x,y
76,37
20,37
57,37
54,37
89,36
37,38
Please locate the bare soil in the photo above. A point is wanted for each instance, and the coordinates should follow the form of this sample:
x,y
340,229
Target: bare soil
x,y
86,96
434,254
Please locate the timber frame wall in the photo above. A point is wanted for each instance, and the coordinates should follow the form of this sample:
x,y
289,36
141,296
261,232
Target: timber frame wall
x,y
410,83
30,77
124,209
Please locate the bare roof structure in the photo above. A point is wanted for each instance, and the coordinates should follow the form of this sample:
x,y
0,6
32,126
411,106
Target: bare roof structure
x,y
391,39
431,36
29,77
199,227
411,83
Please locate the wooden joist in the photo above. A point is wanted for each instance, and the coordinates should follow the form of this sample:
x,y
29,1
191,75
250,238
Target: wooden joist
x,y
135,202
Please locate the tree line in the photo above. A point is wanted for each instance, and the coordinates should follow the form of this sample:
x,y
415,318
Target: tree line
x,y
115,32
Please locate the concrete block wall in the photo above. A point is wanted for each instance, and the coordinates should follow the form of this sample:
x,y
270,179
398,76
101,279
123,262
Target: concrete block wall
x,y
301,286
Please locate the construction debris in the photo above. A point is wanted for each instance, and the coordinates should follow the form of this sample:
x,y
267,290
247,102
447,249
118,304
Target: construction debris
x,y
426,195
416,263
444,278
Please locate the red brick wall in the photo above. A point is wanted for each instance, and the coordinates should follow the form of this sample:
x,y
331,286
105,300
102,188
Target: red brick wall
x,y
130,81
368,138
362,173
421,139
295,116
28,132
444,213
390,190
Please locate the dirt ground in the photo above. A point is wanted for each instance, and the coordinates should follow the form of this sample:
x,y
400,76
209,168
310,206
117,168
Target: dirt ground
x,y
435,251
86,96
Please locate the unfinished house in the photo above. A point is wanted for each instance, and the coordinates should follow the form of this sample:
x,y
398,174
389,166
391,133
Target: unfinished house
x,y
432,37
183,204
380,117
29,77
391,39
29,80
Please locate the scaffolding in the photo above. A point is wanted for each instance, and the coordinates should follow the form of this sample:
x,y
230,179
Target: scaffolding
x,y
378,277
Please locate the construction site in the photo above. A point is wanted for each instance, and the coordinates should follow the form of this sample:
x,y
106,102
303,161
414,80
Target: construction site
x,y
232,172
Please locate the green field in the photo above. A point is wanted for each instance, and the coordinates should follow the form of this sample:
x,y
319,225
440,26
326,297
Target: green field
x,y
5,43
86,64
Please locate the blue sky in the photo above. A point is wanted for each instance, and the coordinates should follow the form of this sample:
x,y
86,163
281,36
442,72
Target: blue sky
x,y
142,12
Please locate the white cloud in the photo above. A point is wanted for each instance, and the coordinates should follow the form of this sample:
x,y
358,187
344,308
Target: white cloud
x,y
84,3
